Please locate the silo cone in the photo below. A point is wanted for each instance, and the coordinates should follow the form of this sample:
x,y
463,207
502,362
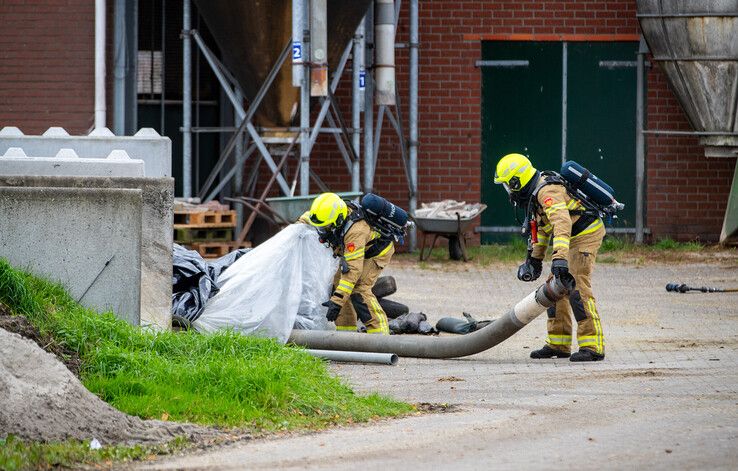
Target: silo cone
x,y
695,44
251,35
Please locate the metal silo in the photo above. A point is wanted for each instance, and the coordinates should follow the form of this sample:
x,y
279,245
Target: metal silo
x,y
696,44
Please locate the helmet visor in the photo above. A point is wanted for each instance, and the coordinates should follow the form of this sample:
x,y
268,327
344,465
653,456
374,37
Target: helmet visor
x,y
315,221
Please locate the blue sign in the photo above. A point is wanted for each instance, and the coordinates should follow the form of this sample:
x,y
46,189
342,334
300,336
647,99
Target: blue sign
x,y
296,51
362,80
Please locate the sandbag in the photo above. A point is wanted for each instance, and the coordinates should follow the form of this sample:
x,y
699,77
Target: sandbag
x,y
411,323
278,285
454,325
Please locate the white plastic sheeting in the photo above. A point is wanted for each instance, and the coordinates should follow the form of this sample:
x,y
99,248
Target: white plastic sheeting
x,y
275,287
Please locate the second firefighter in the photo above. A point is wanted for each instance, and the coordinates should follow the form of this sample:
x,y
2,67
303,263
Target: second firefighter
x,y
366,253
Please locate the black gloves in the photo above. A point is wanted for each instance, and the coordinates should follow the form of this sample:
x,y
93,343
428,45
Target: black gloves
x,y
530,270
333,310
560,271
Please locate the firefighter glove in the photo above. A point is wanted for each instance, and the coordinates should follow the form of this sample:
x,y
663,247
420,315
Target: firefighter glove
x,y
560,271
333,310
530,270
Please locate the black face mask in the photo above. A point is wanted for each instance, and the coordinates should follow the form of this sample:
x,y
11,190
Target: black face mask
x,y
330,235
522,196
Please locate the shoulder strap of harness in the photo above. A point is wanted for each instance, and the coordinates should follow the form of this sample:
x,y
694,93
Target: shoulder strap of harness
x,y
356,214
547,178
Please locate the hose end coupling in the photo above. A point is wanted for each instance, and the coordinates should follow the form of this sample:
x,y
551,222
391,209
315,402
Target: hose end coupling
x,y
550,292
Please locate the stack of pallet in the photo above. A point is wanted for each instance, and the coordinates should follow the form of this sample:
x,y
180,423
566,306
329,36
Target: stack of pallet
x,y
206,228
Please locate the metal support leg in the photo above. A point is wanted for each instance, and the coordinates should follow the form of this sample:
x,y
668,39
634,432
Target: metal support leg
x,y
369,101
413,112
186,101
640,141
305,110
357,90
246,116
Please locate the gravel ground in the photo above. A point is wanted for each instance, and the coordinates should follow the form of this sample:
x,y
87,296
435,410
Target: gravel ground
x,y
666,396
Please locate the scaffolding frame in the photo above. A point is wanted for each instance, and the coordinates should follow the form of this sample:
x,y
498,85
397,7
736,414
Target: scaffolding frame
x,y
246,139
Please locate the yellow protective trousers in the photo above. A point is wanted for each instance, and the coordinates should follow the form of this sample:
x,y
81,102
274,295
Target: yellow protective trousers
x,y
363,300
581,302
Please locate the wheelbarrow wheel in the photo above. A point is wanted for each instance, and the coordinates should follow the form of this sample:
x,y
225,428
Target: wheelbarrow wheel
x,y
454,248
384,286
393,309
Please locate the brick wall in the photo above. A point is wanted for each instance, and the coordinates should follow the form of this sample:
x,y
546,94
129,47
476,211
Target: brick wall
x,y
47,64
687,193
449,156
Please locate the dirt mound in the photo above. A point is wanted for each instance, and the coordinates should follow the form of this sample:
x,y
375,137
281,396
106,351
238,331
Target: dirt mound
x,y
23,327
43,400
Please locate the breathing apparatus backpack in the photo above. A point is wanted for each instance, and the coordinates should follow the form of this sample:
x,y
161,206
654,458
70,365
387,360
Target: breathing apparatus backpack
x,y
592,191
595,195
381,215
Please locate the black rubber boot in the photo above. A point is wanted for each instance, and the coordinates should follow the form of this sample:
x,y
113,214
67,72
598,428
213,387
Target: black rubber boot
x,y
548,352
587,355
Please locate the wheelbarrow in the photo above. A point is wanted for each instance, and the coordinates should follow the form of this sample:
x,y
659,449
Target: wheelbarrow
x,y
455,230
290,208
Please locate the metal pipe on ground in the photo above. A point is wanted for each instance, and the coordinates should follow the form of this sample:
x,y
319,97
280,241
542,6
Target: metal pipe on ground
x,y
501,329
355,357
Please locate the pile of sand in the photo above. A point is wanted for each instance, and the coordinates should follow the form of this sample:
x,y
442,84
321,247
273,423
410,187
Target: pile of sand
x,y
42,400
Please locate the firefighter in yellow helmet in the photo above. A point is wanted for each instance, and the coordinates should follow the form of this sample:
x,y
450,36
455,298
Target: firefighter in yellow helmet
x,y
366,253
576,235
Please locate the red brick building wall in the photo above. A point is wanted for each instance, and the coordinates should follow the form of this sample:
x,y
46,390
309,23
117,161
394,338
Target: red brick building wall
x,y
47,65
686,192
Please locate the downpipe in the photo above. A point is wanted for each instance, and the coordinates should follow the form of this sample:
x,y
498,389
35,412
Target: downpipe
x,y
500,330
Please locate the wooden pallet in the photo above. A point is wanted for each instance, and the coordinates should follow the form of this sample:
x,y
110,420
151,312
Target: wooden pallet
x,y
211,249
193,234
205,218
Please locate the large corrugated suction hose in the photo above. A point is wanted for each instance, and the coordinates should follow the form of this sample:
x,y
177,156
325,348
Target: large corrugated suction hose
x,y
501,329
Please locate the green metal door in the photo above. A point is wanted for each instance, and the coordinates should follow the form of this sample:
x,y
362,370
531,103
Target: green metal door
x,y
556,101
601,116
521,112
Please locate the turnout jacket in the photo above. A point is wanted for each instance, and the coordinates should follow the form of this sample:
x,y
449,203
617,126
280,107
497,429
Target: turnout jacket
x,y
560,219
361,243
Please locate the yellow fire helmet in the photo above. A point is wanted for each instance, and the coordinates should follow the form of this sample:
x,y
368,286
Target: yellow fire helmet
x,y
327,209
514,171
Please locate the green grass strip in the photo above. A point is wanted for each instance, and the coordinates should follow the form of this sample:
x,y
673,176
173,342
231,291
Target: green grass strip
x,y
515,250
225,379
17,454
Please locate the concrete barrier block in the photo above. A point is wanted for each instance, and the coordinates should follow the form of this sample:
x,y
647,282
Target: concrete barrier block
x,y
147,132
118,155
55,131
101,132
10,131
66,154
70,166
87,239
14,152
156,233
146,145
